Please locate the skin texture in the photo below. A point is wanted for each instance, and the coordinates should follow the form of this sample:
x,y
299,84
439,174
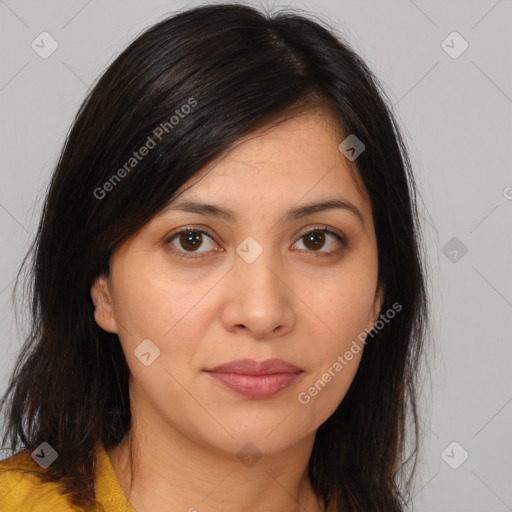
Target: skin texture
x,y
295,302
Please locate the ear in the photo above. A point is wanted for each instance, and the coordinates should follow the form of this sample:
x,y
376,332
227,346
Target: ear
x,y
103,305
377,305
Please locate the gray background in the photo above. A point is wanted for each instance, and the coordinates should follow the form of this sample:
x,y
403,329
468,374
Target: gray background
x,y
455,114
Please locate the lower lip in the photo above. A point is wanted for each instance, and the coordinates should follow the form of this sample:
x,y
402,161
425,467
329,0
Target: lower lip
x,y
256,386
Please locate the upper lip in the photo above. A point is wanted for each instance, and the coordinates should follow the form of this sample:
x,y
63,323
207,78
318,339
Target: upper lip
x,y
252,367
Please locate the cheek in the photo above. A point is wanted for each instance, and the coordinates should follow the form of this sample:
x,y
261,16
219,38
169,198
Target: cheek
x,y
143,307
343,321
343,309
152,303
344,305
149,301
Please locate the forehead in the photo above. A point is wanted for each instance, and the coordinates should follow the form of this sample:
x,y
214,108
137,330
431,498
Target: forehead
x,y
293,161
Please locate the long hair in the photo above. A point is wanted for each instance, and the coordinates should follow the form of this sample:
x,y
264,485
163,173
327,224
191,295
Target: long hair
x,y
188,88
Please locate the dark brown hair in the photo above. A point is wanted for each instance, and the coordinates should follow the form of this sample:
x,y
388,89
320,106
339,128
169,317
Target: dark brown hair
x,y
237,68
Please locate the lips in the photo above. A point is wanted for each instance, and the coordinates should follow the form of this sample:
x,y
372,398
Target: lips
x,y
255,380
252,367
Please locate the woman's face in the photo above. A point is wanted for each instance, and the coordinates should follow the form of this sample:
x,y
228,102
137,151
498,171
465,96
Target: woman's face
x,y
258,284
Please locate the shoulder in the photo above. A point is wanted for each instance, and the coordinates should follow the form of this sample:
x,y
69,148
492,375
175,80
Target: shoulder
x,y
22,489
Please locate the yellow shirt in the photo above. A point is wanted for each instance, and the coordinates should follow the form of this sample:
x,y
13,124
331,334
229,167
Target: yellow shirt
x,y
23,491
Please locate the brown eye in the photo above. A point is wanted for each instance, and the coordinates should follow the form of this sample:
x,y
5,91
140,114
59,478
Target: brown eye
x,y
316,239
189,240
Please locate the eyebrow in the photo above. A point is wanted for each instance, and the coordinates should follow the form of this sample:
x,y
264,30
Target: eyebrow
x,y
292,214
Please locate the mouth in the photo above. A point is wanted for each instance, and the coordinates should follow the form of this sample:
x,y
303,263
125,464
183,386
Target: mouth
x,y
256,380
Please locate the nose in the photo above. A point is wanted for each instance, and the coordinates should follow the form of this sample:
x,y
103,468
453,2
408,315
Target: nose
x,y
257,297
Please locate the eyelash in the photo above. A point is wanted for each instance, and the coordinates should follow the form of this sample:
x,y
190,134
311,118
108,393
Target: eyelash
x,y
316,229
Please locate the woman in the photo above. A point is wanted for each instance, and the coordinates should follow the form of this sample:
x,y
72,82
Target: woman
x,y
228,291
